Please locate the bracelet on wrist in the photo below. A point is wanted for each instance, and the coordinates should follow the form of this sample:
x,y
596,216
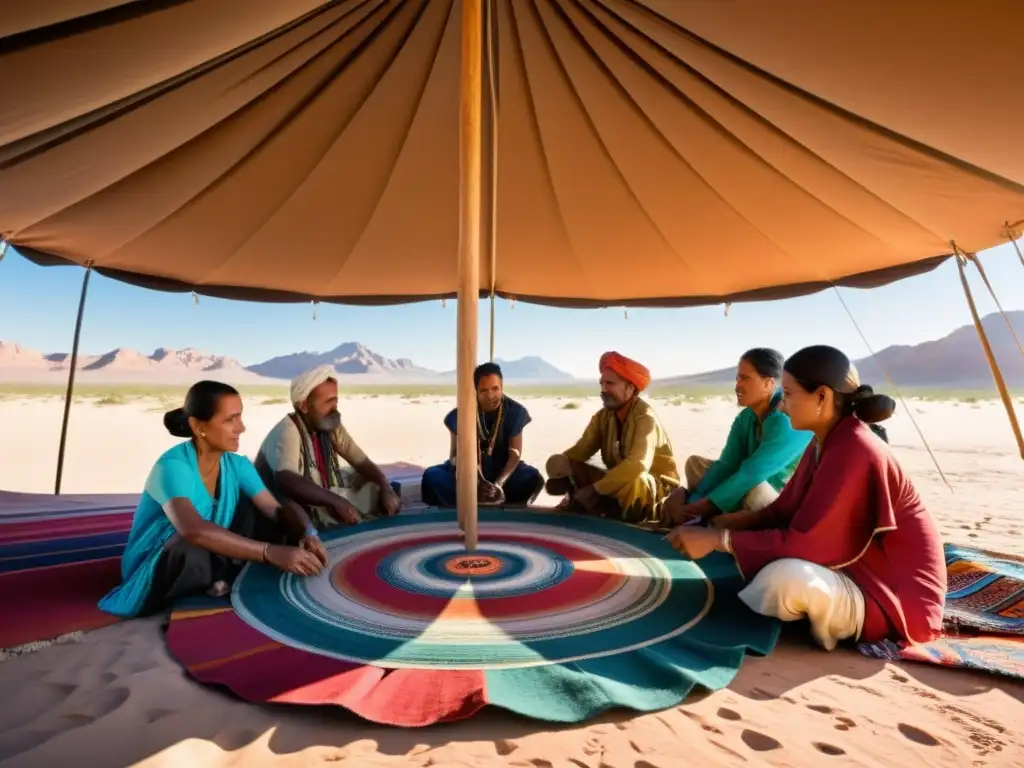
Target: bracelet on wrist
x,y
266,549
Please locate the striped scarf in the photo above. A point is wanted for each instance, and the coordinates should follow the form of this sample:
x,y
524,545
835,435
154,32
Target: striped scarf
x,y
315,452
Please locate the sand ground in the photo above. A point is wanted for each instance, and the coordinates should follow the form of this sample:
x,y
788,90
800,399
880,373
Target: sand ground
x,y
112,447
115,698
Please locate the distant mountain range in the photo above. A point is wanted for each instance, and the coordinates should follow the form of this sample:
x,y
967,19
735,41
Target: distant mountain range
x,y
955,361
352,360
348,358
122,366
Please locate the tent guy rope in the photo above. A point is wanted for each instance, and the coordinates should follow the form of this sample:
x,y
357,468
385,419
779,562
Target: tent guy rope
x,y
976,258
1013,236
909,411
997,375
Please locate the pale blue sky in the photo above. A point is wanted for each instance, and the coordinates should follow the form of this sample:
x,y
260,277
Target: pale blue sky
x,y
38,305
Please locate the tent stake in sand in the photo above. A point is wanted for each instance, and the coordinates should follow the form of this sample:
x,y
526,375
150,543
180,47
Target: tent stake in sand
x,y
71,378
470,178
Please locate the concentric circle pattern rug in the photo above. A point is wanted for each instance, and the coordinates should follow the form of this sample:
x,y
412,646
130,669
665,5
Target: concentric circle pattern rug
x,y
554,616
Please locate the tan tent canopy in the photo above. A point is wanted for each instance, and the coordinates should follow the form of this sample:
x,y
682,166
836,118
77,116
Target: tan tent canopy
x,y
651,152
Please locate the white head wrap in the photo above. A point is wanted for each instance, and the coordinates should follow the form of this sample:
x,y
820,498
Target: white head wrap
x,y
305,383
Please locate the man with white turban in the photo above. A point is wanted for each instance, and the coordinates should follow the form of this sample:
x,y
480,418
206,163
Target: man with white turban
x,y
299,458
640,469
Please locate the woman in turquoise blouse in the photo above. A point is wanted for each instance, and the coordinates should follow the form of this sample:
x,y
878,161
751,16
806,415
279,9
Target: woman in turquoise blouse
x,y
760,454
198,519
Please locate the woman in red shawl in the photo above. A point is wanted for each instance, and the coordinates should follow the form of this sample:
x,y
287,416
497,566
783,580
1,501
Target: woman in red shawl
x,y
848,543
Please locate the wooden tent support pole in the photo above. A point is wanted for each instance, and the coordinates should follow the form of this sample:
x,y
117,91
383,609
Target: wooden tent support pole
x,y
493,159
997,375
71,378
470,167
491,358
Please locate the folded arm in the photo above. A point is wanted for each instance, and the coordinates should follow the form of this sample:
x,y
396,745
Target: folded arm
x,y
303,490
724,465
209,536
588,444
832,526
515,455
635,463
291,517
780,444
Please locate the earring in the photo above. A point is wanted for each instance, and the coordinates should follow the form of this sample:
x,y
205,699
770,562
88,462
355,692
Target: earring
x,y
203,434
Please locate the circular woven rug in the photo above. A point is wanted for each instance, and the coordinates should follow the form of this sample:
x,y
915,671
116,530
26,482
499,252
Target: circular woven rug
x,y
553,616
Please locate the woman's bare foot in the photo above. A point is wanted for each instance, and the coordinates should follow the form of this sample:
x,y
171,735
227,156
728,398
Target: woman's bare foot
x,y
219,589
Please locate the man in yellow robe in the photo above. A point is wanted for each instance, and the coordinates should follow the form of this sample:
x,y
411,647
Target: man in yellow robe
x,y
641,470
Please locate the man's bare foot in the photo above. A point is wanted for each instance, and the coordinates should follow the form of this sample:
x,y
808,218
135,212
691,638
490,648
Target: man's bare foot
x,y
219,589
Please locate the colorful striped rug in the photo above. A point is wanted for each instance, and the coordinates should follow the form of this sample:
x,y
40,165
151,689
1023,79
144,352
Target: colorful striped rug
x,y
984,617
553,616
60,554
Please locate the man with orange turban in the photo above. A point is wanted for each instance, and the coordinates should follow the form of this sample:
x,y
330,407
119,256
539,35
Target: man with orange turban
x,y
641,470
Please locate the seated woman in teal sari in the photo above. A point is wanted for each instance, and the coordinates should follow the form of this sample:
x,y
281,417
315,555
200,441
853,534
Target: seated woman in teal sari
x,y
760,454
204,512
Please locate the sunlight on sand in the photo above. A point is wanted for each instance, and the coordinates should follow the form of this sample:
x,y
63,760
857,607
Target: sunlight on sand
x,y
115,698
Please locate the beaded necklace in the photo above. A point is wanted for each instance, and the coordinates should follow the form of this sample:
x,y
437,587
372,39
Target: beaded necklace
x,y
489,436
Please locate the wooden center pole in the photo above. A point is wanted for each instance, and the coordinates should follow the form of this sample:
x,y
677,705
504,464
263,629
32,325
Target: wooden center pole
x,y
470,183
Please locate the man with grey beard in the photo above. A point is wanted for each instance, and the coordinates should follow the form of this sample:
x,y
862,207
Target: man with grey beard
x,y
298,459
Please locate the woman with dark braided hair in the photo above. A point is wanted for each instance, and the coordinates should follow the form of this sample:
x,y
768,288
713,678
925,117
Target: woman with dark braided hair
x,y
848,544
204,511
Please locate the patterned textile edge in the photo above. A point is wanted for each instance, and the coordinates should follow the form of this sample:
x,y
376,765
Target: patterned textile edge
x,y
984,617
217,647
55,536
60,555
994,654
985,591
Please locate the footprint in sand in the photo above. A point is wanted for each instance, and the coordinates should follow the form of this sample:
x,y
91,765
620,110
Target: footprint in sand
x,y
728,714
505,747
760,694
842,723
845,723
828,749
917,735
759,742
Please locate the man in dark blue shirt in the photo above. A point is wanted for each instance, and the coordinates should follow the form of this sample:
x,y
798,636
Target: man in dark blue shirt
x,y
504,477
